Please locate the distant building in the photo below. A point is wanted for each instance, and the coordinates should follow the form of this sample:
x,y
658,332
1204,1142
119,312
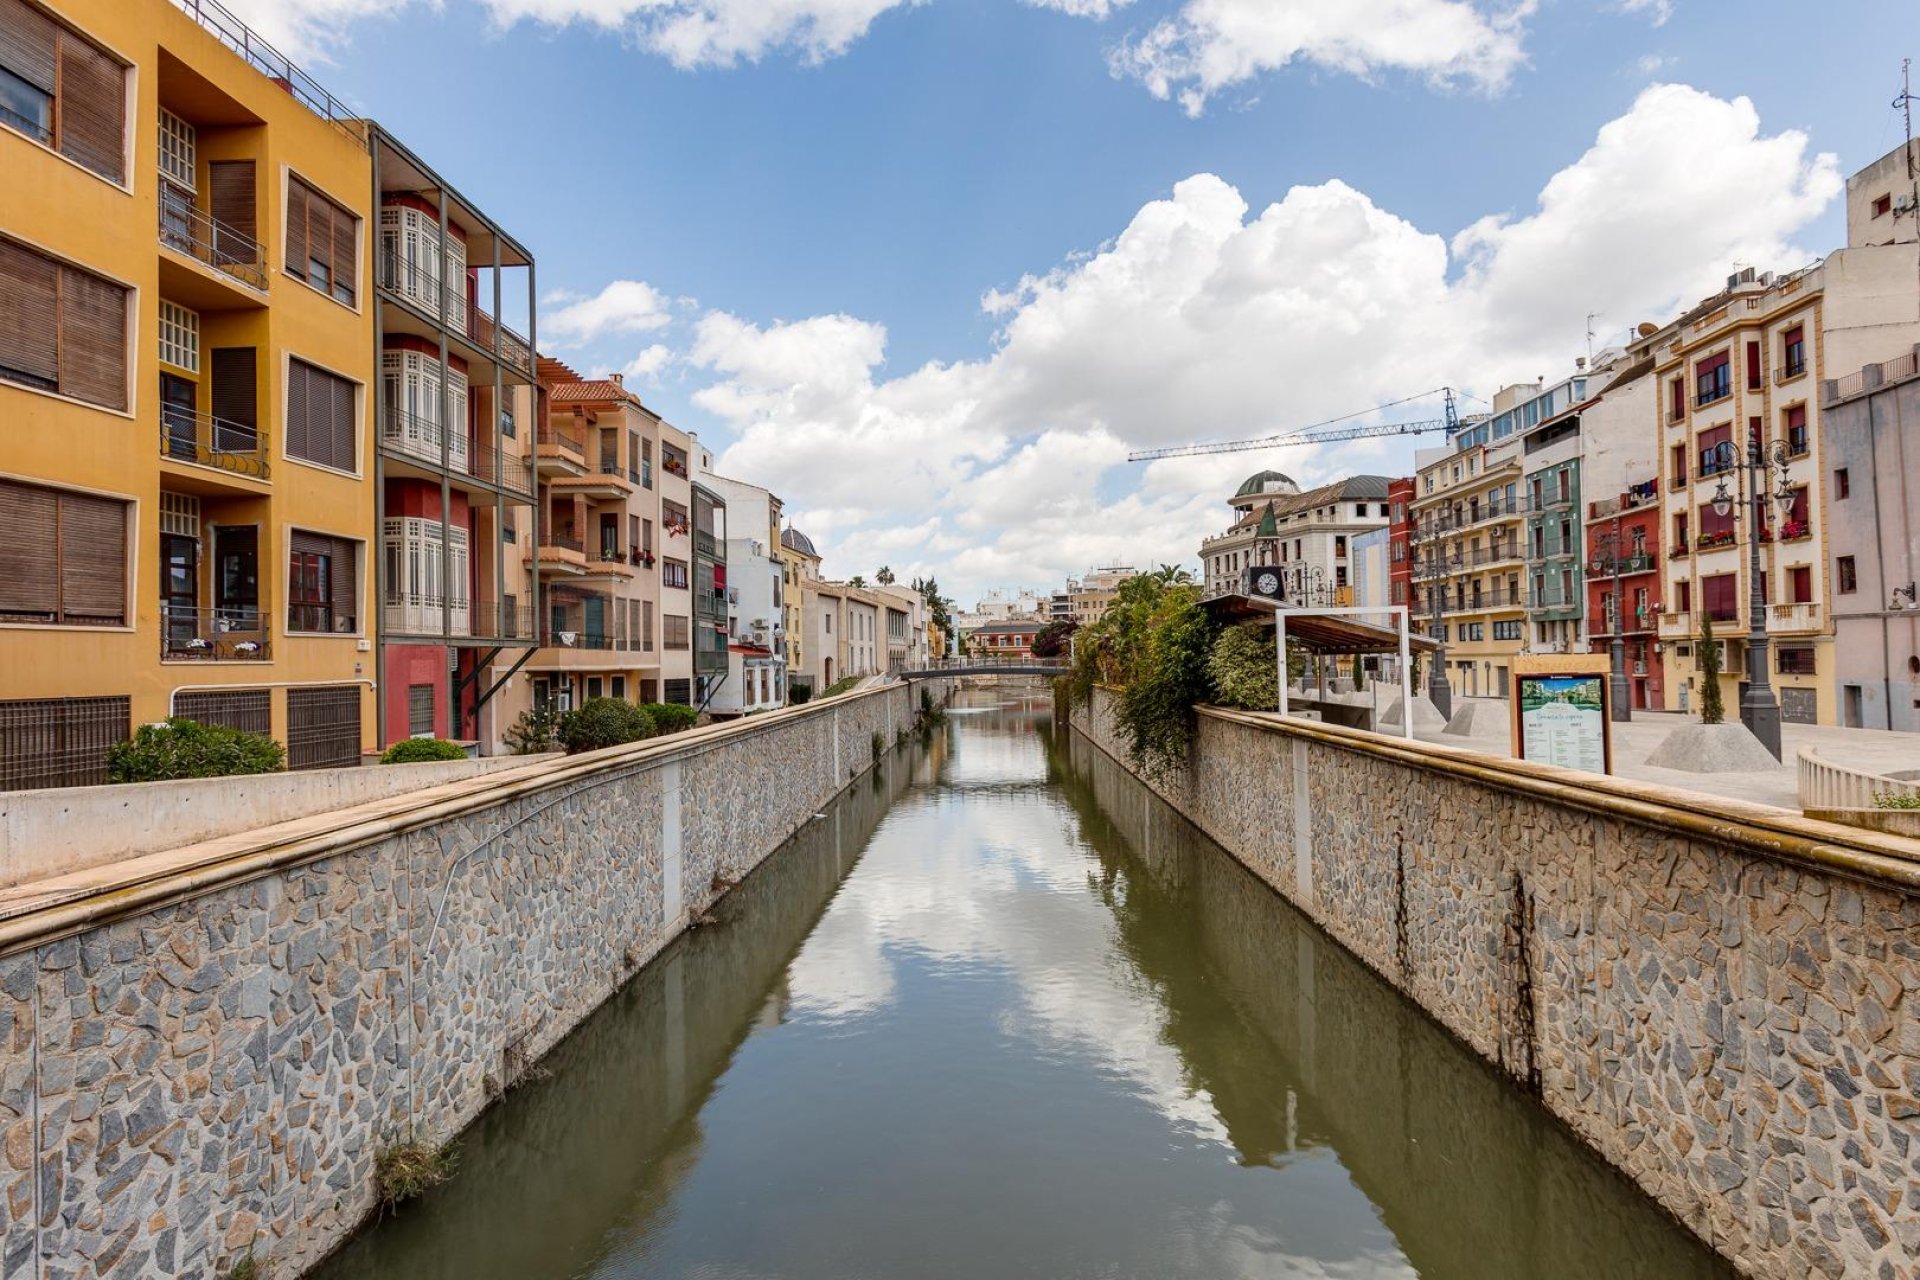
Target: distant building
x,y
1371,575
904,624
799,563
1308,534
1012,638
1089,597
756,601
1870,430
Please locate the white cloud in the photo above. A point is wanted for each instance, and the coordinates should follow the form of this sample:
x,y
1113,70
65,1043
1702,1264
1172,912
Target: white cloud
x,y
1098,10
570,320
1202,320
1212,45
650,362
1658,11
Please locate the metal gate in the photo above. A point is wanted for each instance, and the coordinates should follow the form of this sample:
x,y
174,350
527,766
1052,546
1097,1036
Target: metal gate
x,y
323,727
59,742
249,710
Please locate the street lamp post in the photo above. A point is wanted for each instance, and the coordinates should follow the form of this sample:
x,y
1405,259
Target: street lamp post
x,y
1617,646
1759,709
1439,690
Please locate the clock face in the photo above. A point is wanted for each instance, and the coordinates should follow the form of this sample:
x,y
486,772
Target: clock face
x,y
1267,583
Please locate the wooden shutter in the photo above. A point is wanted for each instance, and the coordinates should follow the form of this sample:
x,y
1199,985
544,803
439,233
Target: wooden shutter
x,y
92,106
29,563
345,255
298,201
230,200
339,422
343,595
29,305
93,339
299,428
235,376
320,417
27,42
93,559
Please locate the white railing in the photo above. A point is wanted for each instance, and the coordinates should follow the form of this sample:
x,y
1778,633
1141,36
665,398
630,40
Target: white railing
x,y
1801,616
1825,785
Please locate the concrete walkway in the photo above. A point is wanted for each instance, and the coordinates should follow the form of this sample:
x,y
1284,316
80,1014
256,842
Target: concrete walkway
x,y
1635,740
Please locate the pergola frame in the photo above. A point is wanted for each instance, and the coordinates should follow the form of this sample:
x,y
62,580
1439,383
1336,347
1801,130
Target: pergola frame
x,y
1398,612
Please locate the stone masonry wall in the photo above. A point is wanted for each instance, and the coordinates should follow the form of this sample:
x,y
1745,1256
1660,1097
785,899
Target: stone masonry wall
x,y
192,1081
1736,1029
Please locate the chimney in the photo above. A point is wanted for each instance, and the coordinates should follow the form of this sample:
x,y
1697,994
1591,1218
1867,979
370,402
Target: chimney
x,y
618,379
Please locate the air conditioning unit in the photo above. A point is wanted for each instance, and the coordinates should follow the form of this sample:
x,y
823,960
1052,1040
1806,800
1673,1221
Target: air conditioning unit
x,y
1903,204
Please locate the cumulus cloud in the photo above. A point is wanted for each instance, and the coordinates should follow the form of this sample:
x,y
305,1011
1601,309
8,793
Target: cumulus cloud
x,y
1212,45
571,320
651,361
1204,319
1657,11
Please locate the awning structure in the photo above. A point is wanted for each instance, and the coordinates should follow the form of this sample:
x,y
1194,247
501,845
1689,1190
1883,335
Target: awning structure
x,y
1316,631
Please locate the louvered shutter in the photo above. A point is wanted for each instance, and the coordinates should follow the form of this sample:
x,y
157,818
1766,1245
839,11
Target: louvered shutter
x,y
340,423
27,41
234,375
342,582
231,201
298,204
345,256
299,431
29,565
92,106
93,339
29,305
93,559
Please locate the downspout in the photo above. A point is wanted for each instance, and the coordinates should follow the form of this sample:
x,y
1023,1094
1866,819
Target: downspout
x,y
379,473
1880,558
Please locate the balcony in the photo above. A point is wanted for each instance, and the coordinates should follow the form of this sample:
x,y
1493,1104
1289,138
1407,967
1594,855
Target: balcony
x,y
561,553
1712,395
1556,600
705,545
610,562
1644,494
211,243
1676,625
607,483
1793,618
482,619
501,468
498,340
202,440
213,635
1605,566
1790,370
422,439
558,452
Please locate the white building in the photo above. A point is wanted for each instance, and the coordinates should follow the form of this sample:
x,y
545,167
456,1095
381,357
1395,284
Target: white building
x,y
1308,535
903,625
756,601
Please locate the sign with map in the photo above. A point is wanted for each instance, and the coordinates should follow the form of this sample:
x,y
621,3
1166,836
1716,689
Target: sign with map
x,y
1562,717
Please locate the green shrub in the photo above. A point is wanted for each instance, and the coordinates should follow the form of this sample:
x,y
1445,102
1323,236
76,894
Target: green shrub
x,y
419,750
1895,800
406,1169
1169,679
840,686
1712,708
671,717
533,732
603,722
799,692
1242,668
183,748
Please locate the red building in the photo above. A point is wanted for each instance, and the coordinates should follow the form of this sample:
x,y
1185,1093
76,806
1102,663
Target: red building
x,y
1010,638
1623,556
1400,540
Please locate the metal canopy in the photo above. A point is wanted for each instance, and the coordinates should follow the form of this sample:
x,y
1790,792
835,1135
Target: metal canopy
x,y
1319,630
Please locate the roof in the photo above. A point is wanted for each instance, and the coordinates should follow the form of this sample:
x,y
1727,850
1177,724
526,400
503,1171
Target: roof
x,y
1319,633
1257,483
1352,489
1012,624
794,540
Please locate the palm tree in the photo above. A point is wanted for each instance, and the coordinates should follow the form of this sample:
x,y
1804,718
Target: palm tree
x,y
857,580
884,576
1172,575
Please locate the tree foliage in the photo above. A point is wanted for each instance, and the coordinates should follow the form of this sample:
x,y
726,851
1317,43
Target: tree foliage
x,y
419,750
671,717
883,575
1712,709
1152,645
939,608
532,733
183,748
1243,670
1053,639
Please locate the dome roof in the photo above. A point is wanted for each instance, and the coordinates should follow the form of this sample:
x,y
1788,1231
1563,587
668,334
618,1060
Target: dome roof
x,y
1266,482
794,540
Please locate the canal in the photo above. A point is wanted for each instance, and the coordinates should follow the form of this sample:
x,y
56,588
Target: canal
x,y
999,1012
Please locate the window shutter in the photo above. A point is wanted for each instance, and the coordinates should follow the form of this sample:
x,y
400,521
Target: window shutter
x,y
93,339
27,40
235,375
299,432
297,219
29,574
92,106
340,423
342,580
29,292
230,200
93,559
345,256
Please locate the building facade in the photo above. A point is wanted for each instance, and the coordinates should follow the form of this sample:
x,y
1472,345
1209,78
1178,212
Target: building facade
x,y
799,564
1308,535
756,601
187,376
1468,550
1870,431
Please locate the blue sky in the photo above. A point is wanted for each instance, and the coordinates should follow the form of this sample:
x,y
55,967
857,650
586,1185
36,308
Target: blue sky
x,y
811,198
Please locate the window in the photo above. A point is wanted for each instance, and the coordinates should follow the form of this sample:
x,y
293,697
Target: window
x,y
1842,483
1677,464
322,242
673,573
1708,444
320,417
420,710
179,337
62,329
64,560
678,691
677,633
1753,366
1683,592
1677,399
1712,379
322,584
1720,593
1507,630
646,626
1793,352
1849,581
1680,531
427,575
62,91
1797,661
1800,578
1882,206
1797,430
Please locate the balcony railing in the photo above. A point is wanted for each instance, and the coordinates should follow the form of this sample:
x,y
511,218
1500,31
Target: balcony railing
x,y
1554,599
422,615
500,467
189,634
270,62
1603,566
1801,615
210,242
1713,395
560,438
420,438
503,342
1676,625
564,541
443,301
1790,370
704,543
207,441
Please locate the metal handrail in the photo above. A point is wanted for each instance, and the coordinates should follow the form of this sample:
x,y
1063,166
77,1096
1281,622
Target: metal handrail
x,y
228,634
561,439
212,243
270,62
229,445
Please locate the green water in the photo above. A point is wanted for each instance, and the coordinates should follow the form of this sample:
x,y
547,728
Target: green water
x,y
1001,1013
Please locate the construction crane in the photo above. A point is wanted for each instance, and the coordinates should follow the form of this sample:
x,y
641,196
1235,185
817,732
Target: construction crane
x,y
1322,432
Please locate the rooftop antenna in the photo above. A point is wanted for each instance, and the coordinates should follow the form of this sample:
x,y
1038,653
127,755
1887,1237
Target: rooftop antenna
x,y
1904,104
1591,317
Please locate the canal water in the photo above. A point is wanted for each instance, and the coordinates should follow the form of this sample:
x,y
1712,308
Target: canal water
x,y
1000,1012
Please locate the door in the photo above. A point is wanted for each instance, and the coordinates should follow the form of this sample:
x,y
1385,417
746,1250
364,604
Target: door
x,y
236,557
595,622
180,589
1855,717
609,536
179,403
176,218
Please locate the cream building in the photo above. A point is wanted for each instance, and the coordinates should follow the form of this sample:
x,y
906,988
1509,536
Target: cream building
x,y
1308,534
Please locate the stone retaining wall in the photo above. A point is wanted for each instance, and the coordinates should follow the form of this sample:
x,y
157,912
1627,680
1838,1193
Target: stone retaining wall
x,y
1722,1000
206,1058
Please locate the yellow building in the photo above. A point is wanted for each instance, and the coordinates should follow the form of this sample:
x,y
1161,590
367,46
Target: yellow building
x,y
186,349
799,564
1468,548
